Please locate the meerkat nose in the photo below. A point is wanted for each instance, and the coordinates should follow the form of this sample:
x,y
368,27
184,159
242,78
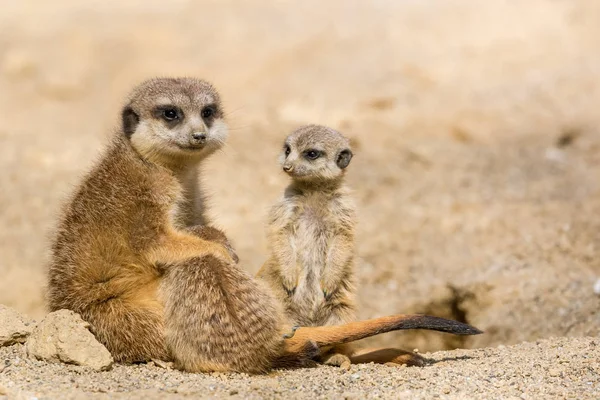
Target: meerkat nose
x,y
199,137
288,168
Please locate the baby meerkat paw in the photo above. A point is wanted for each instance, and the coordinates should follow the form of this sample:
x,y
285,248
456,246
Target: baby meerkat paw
x,y
327,291
289,285
338,360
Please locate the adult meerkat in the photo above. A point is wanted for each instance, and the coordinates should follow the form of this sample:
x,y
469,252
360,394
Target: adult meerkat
x,y
130,258
311,235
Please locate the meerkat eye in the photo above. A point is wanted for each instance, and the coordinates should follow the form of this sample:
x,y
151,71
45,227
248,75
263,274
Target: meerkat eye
x,y
207,112
312,154
170,114
288,150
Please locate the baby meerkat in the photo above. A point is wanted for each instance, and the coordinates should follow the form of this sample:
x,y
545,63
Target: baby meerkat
x,y
134,257
311,234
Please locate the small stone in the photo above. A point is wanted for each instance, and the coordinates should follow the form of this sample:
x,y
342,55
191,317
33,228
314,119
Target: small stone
x,y
597,287
554,372
233,392
185,388
3,391
14,328
163,364
63,336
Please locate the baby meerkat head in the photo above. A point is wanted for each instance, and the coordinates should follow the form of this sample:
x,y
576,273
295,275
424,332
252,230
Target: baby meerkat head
x,y
315,153
174,121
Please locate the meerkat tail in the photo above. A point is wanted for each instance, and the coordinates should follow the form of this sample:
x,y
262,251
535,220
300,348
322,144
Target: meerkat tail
x,y
325,336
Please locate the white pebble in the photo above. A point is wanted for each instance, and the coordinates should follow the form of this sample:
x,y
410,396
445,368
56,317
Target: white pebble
x,y
597,287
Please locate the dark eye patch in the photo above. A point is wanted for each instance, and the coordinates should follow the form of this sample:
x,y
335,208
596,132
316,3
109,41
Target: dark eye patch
x,y
287,149
169,113
312,154
208,112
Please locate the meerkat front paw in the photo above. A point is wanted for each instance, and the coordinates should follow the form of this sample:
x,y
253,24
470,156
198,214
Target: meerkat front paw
x,y
290,334
327,291
214,235
289,283
232,252
290,290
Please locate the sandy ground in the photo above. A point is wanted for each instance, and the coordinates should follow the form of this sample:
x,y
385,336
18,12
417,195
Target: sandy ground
x,y
475,126
557,368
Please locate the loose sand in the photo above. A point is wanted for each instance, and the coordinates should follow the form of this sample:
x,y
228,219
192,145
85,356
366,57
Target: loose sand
x,y
476,126
557,368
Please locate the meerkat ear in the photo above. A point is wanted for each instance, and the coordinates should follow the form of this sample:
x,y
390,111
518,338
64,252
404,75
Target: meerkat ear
x,y
130,121
343,158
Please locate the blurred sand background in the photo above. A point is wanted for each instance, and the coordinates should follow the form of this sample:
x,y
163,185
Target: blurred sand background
x,y
476,128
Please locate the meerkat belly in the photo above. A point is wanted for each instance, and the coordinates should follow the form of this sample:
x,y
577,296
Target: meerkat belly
x,y
311,238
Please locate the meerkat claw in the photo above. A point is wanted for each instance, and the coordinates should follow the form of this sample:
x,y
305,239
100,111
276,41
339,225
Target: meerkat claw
x,y
290,292
291,335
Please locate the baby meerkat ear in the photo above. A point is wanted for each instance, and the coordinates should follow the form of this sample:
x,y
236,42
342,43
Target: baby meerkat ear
x,y
130,121
343,158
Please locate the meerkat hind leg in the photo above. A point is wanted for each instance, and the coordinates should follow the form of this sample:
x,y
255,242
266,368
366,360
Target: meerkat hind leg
x,y
143,339
339,356
303,358
388,356
218,319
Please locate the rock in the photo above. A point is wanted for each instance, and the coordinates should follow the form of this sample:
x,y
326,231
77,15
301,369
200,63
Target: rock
x,y
14,328
64,336
597,287
554,372
163,364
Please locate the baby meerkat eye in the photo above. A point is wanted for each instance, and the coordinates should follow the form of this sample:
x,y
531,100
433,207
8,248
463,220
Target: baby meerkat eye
x,y
170,114
207,112
288,150
312,154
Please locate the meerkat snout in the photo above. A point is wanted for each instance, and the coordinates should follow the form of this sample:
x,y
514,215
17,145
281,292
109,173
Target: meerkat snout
x,y
198,138
315,152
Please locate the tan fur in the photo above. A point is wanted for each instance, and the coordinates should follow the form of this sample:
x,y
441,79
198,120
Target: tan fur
x,y
129,259
326,337
311,238
133,256
311,235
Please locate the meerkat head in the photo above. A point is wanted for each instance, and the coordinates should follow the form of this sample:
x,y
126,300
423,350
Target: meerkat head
x,y
315,153
174,121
